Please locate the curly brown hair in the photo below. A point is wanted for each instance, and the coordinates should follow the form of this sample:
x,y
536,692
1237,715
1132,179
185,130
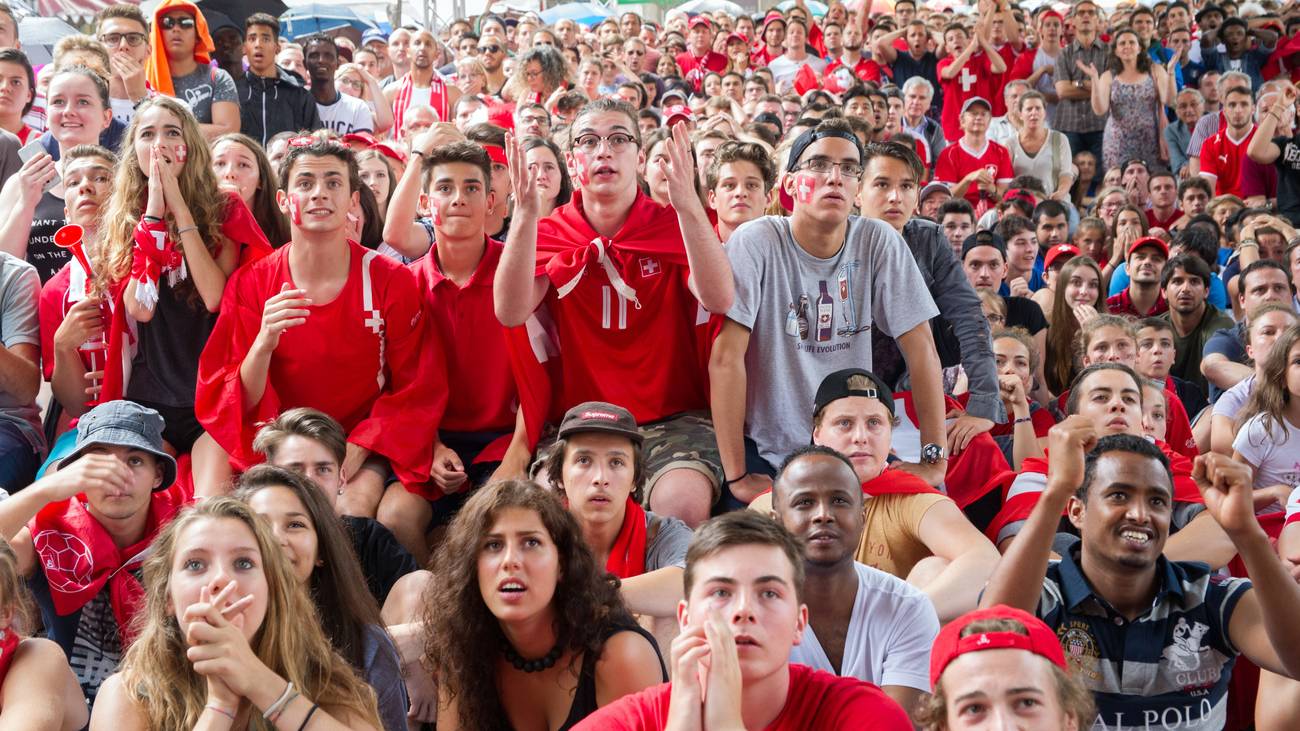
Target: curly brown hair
x,y
461,633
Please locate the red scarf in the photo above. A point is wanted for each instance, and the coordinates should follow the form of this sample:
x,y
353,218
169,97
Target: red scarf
x,y
897,482
568,249
239,227
154,254
627,556
8,648
437,100
79,557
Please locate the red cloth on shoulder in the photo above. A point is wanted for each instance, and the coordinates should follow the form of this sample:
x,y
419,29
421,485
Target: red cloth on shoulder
x,y
1021,492
627,557
364,358
78,555
897,482
816,701
620,313
8,648
966,479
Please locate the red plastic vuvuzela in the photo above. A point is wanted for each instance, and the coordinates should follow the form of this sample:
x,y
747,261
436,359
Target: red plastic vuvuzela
x,y
69,237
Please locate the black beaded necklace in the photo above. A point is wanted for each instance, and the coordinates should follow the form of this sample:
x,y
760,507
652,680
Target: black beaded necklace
x,y
545,662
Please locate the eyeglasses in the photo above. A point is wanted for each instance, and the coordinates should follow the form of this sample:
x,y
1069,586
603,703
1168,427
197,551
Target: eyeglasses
x,y
995,319
347,81
617,142
132,39
185,22
822,166
489,49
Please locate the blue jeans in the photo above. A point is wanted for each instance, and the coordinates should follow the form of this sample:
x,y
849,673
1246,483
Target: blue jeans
x,y
18,461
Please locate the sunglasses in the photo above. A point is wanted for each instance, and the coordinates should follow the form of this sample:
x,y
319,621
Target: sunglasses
x,y
489,49
310,140
184,22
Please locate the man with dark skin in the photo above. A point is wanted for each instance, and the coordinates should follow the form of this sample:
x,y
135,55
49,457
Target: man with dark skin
x,y
339,112
818,498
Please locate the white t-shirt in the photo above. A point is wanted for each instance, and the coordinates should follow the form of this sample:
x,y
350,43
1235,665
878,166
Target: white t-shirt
x,y
1231,401
890,633
1273,450
346,115
784,69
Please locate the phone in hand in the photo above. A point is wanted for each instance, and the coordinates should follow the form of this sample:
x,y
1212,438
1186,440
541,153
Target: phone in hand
x,y
32,149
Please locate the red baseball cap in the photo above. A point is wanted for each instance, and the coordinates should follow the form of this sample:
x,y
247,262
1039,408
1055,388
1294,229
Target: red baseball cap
x,y
676,112
1023,195
949,644
700,20
1069,251
734,37
1155,241
773,16
365,139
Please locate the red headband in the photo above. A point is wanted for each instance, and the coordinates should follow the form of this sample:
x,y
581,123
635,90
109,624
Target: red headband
x,y
949,644
498,154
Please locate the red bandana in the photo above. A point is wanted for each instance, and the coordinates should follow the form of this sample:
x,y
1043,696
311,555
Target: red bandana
x,y
627,557
79,557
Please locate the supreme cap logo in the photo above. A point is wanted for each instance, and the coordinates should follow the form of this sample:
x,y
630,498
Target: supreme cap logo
x,y
605,415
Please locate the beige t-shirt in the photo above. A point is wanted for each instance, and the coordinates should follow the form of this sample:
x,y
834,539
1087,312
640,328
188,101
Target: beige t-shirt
x,y
891,535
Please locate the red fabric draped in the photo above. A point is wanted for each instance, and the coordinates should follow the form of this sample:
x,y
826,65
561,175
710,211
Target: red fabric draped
x,y
627,557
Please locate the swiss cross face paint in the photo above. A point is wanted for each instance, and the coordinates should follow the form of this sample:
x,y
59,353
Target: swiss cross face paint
x,y
437,214
580,171
182,152
804,187
295,209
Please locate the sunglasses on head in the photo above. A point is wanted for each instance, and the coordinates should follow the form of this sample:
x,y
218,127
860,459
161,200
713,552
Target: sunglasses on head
x,y
184,21
309,140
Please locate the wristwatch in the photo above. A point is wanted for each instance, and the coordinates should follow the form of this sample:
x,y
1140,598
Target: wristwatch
x,y
932,453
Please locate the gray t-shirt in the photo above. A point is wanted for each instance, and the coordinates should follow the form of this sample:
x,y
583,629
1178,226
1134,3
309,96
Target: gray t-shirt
x,y
200,89
809,317
668,545
20,295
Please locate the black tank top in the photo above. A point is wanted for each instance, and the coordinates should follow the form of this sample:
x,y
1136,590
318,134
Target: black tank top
x,y
584,698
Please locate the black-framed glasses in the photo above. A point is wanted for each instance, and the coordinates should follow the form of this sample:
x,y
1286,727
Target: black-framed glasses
x,y
185,22
132,39
617,142
489,49
822,166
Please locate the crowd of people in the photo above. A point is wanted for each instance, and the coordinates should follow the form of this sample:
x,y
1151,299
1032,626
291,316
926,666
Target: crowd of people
x,y
909,369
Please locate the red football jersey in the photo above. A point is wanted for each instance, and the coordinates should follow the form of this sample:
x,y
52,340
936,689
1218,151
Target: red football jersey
x,y
474,340
976,78
695,67
1221,158
956,162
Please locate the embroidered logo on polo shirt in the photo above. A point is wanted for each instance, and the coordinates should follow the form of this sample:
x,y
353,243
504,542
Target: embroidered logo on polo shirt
x,y
650,267
1080,650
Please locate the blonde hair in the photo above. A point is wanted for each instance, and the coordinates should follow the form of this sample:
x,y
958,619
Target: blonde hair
x,y
14,596
1075,699
198,186
161,682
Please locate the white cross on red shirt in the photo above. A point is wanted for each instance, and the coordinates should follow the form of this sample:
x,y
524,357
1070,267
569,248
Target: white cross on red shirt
x,y
967,80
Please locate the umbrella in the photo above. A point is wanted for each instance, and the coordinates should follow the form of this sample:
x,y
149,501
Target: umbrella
x,y
239,10
320,18
713,6
580,13
817,7
38,36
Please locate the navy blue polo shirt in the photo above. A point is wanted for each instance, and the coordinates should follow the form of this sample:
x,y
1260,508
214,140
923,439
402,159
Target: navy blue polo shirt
x,y
1167,669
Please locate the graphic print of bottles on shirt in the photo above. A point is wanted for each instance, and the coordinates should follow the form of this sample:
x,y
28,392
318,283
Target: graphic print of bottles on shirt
x,y
816,316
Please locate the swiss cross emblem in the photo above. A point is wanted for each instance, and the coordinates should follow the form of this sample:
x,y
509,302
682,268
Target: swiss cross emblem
x,y
650,267
983,640
967,79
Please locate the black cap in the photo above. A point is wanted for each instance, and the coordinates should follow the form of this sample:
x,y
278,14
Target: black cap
x,y
836,386
983,238
1207,10
599,416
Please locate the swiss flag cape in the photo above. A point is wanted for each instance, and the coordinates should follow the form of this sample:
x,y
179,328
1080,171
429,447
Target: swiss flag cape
x,y
240,228
8,647
1021,491
78,555
805,80
897,482
366,359
627,557
568,249
967,478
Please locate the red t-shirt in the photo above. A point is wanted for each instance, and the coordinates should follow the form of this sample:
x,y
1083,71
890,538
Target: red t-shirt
x,y
956,162
865,69
817,701
976,78
638,354
1009,55
474,342
1221,158
695,67
1164,223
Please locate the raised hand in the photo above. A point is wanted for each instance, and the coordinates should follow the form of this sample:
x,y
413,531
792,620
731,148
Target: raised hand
x,y
1227,487
156,204
689,659
283,311
1019,287
89,472
34,175
722,693
131,72
83,322
679,169
217,649
527,193
1084,314
1012,390
1068,443
1087,68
